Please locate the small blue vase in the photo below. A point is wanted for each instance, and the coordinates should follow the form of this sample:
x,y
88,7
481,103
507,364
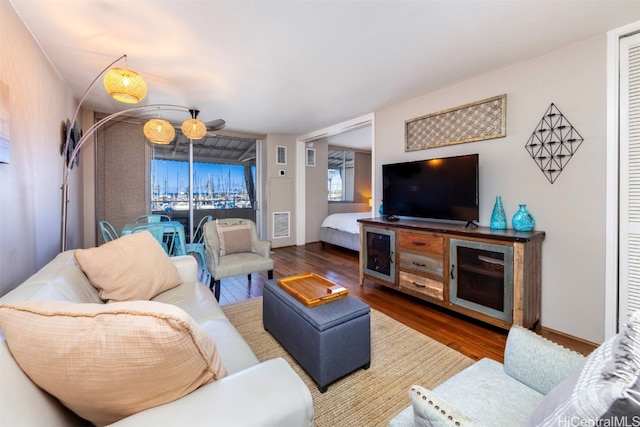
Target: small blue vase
x,y
523,220
380,210
498,217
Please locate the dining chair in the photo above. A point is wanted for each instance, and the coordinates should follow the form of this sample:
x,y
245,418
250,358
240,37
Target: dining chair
x,y
165,236
109,233
196,247
171,239
151,218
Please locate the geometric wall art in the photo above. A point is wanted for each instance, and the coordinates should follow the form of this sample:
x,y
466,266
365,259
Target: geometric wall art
x,y
553,143
477,121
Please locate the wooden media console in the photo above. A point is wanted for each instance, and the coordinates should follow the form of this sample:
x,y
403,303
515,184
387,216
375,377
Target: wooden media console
x,y
490,275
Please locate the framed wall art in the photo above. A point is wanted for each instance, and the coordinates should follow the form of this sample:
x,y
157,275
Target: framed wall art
x,y
477,121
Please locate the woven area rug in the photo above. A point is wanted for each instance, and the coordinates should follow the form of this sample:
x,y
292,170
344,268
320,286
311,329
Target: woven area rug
x,y
400,357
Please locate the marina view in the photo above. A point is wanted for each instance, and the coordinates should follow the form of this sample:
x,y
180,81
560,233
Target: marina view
x,y
215,186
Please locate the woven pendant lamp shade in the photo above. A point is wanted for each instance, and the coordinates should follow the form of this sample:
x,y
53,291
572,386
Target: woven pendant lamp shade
x,y
194,129
125,85
159,131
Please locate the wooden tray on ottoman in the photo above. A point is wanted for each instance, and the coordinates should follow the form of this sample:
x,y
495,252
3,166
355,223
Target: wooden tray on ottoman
x,y
311,289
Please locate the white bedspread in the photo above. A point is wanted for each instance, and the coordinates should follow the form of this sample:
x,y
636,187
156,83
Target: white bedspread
x,y
345,221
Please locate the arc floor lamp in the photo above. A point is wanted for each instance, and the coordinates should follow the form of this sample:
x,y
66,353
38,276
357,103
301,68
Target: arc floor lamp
x,y
126,86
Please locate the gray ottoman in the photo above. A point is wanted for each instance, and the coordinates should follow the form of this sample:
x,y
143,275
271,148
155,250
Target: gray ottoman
x,y
329,341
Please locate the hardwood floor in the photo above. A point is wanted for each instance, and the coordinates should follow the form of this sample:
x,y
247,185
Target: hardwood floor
x,y
468,336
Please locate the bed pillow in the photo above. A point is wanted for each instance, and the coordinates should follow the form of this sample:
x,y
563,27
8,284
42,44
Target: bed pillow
x,y
235,238
132,267
108,361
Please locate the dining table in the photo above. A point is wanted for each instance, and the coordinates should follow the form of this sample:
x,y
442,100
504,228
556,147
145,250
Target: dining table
x,y
179,246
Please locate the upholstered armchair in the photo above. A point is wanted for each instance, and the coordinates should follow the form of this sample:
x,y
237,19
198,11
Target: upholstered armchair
x,y
233,248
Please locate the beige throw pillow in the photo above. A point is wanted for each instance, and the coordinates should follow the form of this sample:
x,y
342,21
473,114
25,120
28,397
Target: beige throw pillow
x,y
108,361
133,267
235,238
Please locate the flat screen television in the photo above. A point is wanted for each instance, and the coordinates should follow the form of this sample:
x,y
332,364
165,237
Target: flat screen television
x,y
443,189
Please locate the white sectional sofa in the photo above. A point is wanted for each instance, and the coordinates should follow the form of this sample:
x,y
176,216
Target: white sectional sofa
x,y
252,393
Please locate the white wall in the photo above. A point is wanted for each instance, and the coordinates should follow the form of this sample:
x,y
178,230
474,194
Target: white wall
x,y
572,210
281,188
30,195
316,191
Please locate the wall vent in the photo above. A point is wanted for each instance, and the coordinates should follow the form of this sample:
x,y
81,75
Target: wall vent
x,y
281,224
281,155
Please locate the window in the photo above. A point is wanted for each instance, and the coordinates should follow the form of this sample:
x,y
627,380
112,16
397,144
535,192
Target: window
x,y
340,177
155,178
215,186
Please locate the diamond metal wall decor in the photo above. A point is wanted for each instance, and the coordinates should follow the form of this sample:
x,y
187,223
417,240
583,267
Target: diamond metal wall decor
x,y
553,143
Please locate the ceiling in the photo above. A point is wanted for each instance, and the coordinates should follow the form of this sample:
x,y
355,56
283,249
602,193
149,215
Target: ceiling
x,y
294,67
210,149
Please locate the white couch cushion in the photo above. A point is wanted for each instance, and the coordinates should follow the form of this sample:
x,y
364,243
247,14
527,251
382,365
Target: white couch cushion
x,y
479,392
235,352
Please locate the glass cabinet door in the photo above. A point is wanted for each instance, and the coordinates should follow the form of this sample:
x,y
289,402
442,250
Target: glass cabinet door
x,y
481,277
379,252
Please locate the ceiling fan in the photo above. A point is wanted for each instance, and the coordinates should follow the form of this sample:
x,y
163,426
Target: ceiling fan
x,y
212,125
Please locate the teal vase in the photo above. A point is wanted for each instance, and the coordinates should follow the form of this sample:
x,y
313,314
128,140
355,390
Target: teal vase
x,y
380,210
523,220
498,217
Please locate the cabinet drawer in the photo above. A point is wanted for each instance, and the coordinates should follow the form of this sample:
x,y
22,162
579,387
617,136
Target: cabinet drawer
x,y
422,285
421,263
421,242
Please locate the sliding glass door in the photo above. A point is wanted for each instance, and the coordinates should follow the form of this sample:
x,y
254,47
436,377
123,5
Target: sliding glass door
x,y
185,179
214,176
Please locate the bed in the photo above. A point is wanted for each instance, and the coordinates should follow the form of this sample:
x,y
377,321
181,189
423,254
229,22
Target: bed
x,y
343,229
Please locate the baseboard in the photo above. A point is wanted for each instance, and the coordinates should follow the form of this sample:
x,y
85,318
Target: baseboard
x,y
574,343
